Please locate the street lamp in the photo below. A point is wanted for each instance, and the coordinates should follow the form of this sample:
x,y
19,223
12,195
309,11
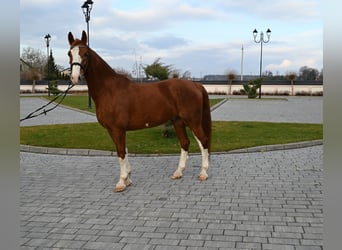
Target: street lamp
x,y
261,41
86,8
47,40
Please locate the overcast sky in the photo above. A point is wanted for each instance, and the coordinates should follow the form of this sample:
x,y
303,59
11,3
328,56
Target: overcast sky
x,y
200,36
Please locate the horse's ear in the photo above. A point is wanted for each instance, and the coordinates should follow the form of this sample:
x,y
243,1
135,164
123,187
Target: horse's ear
x,y
71,38
84,37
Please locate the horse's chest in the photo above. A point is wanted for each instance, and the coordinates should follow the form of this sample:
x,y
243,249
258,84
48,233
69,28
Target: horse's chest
x,y
109,116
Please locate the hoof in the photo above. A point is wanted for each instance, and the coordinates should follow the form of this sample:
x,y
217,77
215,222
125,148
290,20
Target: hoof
x,y
176,176
128,182
173,177
119,188
203,177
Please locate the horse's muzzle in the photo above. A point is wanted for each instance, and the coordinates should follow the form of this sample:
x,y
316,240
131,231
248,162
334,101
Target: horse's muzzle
x,y
75,79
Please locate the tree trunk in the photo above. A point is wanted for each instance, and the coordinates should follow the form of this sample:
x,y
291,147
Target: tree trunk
x,y
33,86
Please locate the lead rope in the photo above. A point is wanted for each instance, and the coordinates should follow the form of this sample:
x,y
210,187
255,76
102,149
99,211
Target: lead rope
x,y
45,111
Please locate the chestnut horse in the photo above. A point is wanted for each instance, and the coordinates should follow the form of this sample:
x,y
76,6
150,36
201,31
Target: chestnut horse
x,y
123,105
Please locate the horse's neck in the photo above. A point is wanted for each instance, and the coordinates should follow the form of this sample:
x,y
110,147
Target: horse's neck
x,y
100,77
97,67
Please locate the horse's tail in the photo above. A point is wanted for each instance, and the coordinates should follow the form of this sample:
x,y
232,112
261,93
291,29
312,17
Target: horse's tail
x,y
206,116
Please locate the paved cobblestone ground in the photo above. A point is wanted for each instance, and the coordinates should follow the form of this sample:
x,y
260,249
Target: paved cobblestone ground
x,y
270,200
266,200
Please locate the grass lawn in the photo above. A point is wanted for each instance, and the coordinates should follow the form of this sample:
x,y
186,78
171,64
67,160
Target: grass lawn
x,y
225,135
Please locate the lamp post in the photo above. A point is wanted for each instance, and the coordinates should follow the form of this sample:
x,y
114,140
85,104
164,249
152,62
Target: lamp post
x,y
47,40
86,8
261,41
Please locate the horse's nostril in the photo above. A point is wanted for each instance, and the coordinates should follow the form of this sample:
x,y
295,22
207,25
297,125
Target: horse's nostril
x,y
74,79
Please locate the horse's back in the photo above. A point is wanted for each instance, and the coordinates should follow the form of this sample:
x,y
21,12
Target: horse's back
x,y
189,97
183,88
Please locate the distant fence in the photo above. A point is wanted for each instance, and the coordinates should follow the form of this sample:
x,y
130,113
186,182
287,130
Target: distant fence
x,y
269,87
266,82
212,87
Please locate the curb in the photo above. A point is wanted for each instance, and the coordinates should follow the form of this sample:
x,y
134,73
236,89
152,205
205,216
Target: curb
x,y
73,109
275,147
93,152
218,104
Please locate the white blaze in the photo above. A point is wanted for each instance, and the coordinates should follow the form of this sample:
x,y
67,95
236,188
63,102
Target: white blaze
x,y
75,69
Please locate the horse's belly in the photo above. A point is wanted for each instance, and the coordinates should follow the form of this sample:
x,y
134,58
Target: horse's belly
x,y
149,120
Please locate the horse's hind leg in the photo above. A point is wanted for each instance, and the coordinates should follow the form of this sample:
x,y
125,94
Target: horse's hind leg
x,y
205,161
184,142
202,141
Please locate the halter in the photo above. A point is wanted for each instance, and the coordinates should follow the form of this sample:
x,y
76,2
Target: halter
x,y
85,67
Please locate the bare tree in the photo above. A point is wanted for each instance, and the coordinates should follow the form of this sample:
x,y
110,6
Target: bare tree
x,y
231,75
35,61
33,57
306,73
33,74
291,76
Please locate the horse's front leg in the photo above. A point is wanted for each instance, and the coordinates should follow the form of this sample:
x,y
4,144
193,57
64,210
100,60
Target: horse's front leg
x,y
125,174
119,138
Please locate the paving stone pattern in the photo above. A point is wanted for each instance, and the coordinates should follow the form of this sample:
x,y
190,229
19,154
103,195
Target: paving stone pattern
x,y
266,200
271,200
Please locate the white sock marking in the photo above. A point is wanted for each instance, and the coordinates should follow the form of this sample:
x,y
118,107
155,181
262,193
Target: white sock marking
x,y
125,170
205,158
182,160
182,163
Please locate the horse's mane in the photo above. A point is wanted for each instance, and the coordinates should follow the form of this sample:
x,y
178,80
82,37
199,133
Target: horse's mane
x,y
79,42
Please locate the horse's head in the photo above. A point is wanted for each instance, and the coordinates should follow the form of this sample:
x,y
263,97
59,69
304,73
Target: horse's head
x,y
78,55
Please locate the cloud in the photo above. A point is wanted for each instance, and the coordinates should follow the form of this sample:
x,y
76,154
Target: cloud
x,y
201,36
285,64
295,64
277,9
40,4
159,16
202,60
165,42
